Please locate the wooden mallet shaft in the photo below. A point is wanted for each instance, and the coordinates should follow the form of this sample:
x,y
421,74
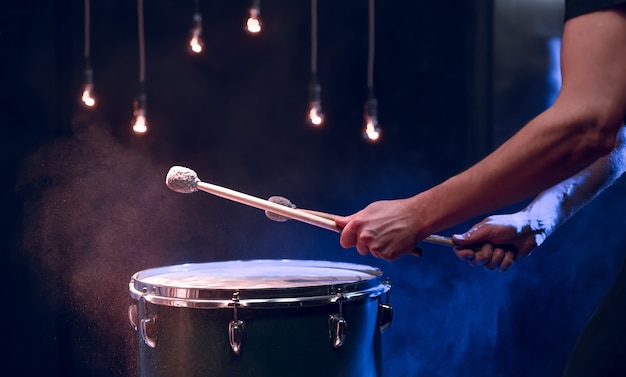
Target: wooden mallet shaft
x,y
253,201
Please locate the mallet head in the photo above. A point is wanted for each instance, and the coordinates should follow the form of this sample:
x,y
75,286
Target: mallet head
x,y
182,179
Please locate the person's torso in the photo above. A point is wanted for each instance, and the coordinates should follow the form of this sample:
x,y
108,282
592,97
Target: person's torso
x,y
574,8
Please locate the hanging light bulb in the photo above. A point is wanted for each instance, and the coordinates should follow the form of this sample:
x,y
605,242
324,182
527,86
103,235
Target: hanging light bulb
x,y
315,116
87,97
195,43
371,131
253,24
139,123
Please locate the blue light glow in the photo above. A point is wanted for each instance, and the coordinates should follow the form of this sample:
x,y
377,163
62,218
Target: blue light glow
x,y
554,70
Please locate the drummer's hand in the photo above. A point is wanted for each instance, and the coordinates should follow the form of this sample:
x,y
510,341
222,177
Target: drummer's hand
x,y
386,229
498,241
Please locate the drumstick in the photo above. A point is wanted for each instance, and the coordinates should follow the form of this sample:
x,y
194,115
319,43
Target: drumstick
x,y
433,238
186,181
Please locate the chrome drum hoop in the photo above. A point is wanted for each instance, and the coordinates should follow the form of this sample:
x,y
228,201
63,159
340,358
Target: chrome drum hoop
x,y
369,284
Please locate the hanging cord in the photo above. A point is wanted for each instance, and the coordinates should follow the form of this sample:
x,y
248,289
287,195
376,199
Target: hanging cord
x,y
314,37
87,27
370,57
142,52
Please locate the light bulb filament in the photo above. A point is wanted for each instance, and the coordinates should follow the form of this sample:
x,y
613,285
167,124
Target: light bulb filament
x,y
371,131
253,25
195,44
87,97
316,117
140,124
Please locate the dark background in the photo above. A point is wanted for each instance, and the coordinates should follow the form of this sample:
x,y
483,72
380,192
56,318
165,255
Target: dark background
x,y
85,206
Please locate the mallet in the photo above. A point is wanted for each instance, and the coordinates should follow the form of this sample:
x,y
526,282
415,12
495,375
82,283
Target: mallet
x,y
186,181
433,238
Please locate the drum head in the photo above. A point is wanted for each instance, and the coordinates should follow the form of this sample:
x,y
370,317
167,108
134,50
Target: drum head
x,y
255,281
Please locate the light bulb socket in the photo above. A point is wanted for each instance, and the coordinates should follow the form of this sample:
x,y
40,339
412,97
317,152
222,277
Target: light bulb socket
x,y
315,91
255,10
88,75
371,108
196,29
140,104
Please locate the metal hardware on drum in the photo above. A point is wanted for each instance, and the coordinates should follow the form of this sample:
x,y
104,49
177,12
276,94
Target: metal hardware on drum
x,y
147,324
385,311
337,325
235,328
260,318
132,316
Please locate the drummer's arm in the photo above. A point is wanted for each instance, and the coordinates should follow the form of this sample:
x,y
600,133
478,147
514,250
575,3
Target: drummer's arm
x,y
579,128
499,240
554,206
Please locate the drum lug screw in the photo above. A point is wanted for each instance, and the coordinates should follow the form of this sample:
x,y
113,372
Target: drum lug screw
x,y
385,311
132,316
337,325
147,324
235,328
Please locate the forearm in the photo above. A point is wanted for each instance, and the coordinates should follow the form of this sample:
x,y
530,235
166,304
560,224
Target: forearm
x,y
557,204
548,150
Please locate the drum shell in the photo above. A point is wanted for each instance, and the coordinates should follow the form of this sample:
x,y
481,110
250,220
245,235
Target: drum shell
x,y
277,342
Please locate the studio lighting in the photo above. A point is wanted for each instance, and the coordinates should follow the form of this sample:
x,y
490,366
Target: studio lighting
x,y
87,97
196,45
140,123
315,115
253,24
371,131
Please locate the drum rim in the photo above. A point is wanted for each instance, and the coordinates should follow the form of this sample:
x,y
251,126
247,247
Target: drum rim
x,y
162,294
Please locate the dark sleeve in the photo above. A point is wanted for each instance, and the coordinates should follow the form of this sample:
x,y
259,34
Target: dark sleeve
x,y
575,8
